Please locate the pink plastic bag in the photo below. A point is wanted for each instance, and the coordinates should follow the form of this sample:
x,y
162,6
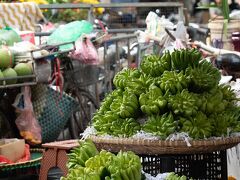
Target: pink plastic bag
x,y
26,122
85,52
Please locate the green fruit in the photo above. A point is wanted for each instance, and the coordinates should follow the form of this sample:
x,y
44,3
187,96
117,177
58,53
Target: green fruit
x,y
23,69
1,76
9,72
6,58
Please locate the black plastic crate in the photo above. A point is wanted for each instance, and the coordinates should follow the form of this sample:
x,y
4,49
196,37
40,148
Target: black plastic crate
x,y
209,166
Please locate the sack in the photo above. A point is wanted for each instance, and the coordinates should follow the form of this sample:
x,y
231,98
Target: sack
x,y
85,52
8,37
26,122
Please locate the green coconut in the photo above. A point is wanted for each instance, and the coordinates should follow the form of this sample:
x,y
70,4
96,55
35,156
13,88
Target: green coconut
x,y
23,69
6,58
10,72
1,76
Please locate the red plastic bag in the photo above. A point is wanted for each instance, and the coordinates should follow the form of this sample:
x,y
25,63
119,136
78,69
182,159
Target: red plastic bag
x,y
26,122
85,51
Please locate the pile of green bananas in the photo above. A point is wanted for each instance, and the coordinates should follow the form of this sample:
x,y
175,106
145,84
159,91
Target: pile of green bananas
x,y
228,94
181,87
152,102
126,165
105,105
213,101
173,82
204,77
198,126
104,165
132,79
161,125
225,122
80,155
184,103
104,123
122,78
184,58
129,106
112,124
140,85
155,65
125,105
173,176
125,127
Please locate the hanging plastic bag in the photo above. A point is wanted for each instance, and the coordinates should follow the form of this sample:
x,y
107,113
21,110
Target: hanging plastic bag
x,y
26,122
69,33
85,51
156,26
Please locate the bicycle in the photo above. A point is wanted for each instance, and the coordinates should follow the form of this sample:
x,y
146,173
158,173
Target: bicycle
x,y
82,117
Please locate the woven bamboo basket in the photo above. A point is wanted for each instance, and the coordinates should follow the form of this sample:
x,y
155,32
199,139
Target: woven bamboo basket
x,y
152,147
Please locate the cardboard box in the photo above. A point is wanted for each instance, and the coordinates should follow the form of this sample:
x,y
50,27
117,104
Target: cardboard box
x,y
13,149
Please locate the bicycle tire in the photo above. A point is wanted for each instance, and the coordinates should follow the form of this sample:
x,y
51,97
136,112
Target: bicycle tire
x,y
82,117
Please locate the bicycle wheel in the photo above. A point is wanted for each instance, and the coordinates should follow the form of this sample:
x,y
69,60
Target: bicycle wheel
x,y
81,118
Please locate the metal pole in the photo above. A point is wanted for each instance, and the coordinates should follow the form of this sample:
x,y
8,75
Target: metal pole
x,y
139,55
117,57
128,54
180,12
90,14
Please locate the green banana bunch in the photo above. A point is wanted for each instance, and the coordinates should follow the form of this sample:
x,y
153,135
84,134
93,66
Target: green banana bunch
x,y
98,163
184,58
139,85
204,77
105,105
125,105
129,105
173,82
184,103
104,123
78,156
237,127
81,174
220,123
160,125
228,94
123,77
173,176
197,127
116,103
155,65
152,102
112,124
107,166
125,127
213,102
125,166
225,121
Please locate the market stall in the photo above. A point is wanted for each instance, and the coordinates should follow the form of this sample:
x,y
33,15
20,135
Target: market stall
x,y
154,107
165,114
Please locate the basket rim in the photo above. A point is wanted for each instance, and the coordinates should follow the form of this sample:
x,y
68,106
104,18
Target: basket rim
x,y
166,146
29,163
